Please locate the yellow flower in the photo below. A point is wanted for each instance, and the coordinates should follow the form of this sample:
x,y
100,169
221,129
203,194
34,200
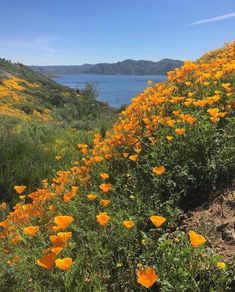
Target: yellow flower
x,y
91,197
221,265
196,239
31,230
102,218
157,220
169,138
20,189
57,157
128,223
146,277
150,82
64,264
159,169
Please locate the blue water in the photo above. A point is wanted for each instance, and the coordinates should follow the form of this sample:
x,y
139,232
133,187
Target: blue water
x,y
116,90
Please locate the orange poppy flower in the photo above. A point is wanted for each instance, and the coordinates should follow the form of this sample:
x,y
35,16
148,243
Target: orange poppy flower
x,y
128,223
62,222
180,131
56,250
47,261
104,202
125,154
104,175
31,230
16,239
14,260
60,238
133,157
196,239
157,220
20,189
91,197
146,277
159,169
102,218
105,187
64,264
57,157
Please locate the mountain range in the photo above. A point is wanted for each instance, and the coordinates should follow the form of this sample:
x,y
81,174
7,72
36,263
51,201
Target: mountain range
x,y
126,67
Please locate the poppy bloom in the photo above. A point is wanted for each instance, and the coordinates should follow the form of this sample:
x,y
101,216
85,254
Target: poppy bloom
x,y
180,131
64,264
104,175
57,157
169,138
128,223
91,197
103,218
196,239
31,230
56,250
60,238
146,277
47,261
16,239
104,202
20,189
133,157
157,220
125,154
63,221
159,169
105,187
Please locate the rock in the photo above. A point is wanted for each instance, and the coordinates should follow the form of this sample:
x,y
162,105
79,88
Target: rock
x,y
221,227
228,235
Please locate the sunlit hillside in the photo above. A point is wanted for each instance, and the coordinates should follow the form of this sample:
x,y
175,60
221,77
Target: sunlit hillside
x,y
111,221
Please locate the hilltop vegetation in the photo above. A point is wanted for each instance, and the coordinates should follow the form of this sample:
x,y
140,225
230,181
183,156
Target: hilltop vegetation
x,y
110,222
126,67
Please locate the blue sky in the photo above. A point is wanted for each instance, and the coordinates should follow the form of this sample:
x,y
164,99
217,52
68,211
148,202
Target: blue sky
x,y
47,32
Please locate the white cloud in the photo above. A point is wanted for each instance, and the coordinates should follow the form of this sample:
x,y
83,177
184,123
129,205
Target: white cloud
x,y
218,18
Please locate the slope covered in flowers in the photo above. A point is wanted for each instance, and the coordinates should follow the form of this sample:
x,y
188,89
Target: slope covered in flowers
x,y
110,222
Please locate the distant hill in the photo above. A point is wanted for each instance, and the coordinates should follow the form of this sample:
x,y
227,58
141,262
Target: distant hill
x,y
126,67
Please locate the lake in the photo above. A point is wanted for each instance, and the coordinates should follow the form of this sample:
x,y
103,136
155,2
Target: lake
x,y
116,90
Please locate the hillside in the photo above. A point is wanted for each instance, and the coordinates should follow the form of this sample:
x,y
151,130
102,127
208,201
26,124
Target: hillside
x,y
28,95
117,219
126,67
41,120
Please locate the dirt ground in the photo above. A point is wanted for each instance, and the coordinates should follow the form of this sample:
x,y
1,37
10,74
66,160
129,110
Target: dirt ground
x,y
216,219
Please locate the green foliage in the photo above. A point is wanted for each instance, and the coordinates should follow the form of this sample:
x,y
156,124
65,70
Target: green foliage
x,y
28,150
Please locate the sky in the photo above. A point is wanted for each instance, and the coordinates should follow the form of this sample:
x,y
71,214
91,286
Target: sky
x,y
73,32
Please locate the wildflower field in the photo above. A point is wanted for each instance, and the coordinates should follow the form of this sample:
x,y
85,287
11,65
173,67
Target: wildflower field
x,y
109,221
